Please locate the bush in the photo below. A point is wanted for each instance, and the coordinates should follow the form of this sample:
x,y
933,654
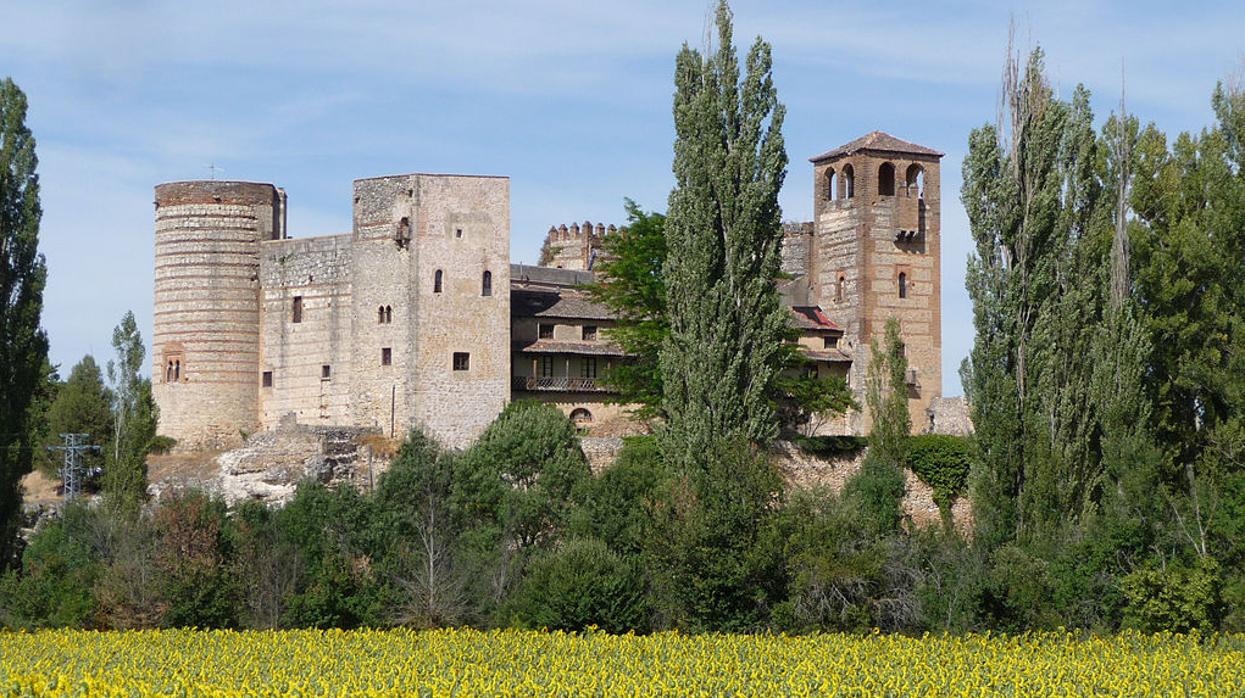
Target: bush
x,y
1177,597
832,446
582,584
615,504
194,552
942,462
54,586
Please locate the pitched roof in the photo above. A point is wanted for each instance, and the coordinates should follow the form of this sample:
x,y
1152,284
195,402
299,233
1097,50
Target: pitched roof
x,y
551,346
877,141
556,304
811,317
829,356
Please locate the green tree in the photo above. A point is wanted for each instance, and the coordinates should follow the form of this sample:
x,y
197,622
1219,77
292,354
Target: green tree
x,y
135,418
723,234
23,344
631,285
83,405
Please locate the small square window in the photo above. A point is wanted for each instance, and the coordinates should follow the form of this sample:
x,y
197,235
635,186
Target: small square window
x,y
386,356
326,372
462,361
829,342
546,331
266,379
590,333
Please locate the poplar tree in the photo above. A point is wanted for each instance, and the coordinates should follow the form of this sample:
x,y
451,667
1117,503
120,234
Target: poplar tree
x,y
23,344
723,234
135,417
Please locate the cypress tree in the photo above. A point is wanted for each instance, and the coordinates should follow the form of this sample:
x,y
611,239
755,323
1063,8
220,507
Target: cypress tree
x,y
23,344
723,235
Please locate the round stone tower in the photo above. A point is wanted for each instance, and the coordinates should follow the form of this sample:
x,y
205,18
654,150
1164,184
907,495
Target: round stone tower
x,y
206,335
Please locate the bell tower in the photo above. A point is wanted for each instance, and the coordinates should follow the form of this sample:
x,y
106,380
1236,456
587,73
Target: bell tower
x,y
875,254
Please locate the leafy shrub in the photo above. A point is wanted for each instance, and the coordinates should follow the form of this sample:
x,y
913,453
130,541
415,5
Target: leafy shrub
x,y
59,569
615,504
831,446
1177,597
942,462
582,584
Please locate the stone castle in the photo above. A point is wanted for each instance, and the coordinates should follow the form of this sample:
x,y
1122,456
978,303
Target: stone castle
x,y
417,318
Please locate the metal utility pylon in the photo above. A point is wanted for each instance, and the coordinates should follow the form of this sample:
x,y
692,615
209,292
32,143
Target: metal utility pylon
x,y
71,471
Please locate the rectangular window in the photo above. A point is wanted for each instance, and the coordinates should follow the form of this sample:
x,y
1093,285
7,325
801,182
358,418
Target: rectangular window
x,y
462,361
266,379
829,342
590,333
298,308
588,367
326,372
386,356
546,367
545,331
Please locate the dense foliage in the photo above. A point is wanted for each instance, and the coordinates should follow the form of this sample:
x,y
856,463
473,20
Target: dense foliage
x,y
23,344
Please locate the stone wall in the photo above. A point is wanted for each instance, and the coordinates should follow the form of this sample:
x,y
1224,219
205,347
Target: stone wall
x,y
318,272
205,339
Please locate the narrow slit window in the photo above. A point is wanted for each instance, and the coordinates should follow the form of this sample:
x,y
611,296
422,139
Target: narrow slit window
x,y
386,356
380,315
298,308
462,361
838,289
903,285
326,372
486,284
436,282
388,314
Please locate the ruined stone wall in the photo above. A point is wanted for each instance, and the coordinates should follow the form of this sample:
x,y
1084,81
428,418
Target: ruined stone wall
x,y
317,271
205,339
463,229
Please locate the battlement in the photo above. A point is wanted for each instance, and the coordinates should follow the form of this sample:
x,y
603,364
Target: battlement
x,y
575,246
575,231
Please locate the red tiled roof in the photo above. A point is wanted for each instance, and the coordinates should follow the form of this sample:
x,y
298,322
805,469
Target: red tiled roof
x,y
811,317
877,141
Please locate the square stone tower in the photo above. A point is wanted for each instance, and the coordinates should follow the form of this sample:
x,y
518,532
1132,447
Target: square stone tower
x,y
431,270
875,253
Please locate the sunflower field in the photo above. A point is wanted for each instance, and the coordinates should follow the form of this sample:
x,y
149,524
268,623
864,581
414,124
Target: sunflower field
x,y
470,662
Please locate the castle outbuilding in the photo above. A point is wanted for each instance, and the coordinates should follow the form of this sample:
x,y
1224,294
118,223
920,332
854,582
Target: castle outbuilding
x,y
417,318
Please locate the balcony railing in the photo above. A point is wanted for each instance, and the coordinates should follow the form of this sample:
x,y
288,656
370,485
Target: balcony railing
x,y
563,384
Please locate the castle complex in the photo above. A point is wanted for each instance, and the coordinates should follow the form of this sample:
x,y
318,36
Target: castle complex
x,y
417,318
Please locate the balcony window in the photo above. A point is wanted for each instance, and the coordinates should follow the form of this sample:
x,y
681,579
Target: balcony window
x,y
588,367
545,366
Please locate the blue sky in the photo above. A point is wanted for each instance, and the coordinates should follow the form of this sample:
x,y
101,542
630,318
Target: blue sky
x,y
570,99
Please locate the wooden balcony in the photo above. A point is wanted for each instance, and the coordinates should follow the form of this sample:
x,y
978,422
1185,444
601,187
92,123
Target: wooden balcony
x,y
559,384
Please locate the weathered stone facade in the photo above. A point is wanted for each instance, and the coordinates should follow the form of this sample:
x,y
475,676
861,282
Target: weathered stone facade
x,y
401,322
416,318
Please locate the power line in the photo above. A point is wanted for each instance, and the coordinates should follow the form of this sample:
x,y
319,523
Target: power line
x,y
72,473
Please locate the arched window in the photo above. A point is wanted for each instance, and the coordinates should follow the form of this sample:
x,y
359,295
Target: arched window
x,y
849,181
486,285
436,282
915,180
838,289
831,194
168,373
903,285
886,179
581,417
380,315
388,314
